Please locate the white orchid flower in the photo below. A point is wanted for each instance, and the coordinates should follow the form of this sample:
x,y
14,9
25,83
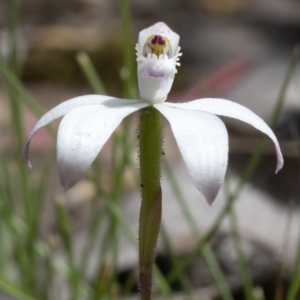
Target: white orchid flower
x,y
201,136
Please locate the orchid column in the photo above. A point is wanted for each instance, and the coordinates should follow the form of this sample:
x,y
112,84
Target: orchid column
x,y
157,55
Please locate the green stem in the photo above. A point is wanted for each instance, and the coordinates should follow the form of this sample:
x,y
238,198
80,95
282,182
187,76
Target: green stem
x,y
245,272
129,78
65,231
17,125
160,279
13,20
150,137
295,282
15,109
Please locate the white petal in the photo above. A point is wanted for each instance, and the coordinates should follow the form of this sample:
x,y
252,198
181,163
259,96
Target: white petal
x,y
162,29
203,142
81,135
234,110
65,107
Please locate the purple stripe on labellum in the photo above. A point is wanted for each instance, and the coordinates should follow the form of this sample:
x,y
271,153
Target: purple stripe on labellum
x,y
155,73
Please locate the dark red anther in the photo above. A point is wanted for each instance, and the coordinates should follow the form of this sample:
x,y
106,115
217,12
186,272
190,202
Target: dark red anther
x,y
161,41
154,40
158,39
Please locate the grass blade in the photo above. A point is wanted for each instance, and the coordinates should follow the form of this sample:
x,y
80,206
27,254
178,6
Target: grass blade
x,y
13,290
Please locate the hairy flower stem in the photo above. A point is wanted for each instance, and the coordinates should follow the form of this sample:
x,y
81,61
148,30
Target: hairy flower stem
x,y
150,147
